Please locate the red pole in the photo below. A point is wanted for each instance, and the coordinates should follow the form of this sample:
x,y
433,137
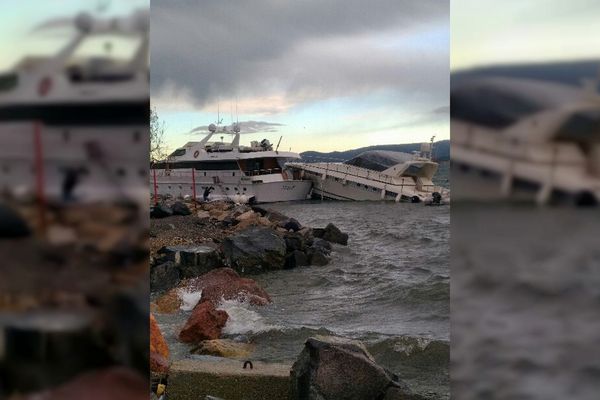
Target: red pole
x,y
194,185
155,187
39,174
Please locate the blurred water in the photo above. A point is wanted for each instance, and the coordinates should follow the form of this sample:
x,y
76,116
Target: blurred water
x,y
525,302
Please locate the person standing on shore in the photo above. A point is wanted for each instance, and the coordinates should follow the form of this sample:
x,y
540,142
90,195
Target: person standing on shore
x,y
207,192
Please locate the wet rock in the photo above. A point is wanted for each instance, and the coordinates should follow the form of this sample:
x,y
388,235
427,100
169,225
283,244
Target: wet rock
x,y
317,256
322,244
180,208
331,368
205,323
294,241
290,224
12,225
161,211
332,234
115,383
164,276
224,348
192,260
226,284
169,302
295,259
270,214
159,350
254,250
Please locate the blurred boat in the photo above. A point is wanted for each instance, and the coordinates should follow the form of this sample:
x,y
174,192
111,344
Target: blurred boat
x,y
79,117
243,174
525,140
377,175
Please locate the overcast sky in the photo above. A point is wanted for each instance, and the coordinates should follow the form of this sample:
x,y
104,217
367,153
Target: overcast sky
x,y
325,75
487,32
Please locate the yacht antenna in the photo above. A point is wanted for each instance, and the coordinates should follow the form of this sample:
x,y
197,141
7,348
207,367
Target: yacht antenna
x,y
277,148
431,148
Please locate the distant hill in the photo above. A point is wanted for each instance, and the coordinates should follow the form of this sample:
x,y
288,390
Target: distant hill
x,y
441,152
568,73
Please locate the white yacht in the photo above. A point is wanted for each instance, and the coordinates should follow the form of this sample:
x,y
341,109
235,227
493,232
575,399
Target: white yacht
x,y
230,171
525,140
377,175
80,114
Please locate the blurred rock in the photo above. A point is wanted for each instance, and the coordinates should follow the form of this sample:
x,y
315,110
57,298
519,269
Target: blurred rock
x,y
115,383
205,323
331,368
58,235
254,250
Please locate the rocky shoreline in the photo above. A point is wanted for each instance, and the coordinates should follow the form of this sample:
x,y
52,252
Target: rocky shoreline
x,y
211,249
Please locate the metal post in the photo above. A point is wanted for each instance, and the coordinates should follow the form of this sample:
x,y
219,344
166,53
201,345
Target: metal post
x,y
155,186
194,185
39,175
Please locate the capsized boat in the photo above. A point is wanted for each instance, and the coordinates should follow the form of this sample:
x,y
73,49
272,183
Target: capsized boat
x,y
377,175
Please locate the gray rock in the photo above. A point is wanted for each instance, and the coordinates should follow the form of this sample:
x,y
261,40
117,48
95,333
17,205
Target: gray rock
x,y
322,244
332,234
295,259
192,260
254,250
164,276
180,208
331,368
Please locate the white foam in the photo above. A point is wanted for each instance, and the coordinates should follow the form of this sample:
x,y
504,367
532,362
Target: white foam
x,y
243,319
189,299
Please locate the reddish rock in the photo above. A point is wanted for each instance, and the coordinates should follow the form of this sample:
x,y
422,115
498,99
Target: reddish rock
x,y
158,363
225,283
116,383
159,350
205,323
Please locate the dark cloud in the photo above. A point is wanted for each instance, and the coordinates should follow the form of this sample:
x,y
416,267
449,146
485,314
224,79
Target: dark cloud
x,y
245,127
303,49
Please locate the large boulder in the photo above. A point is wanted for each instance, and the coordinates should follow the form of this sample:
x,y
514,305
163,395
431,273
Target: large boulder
x,y
255,250
331,368
205,323
180,208
192,260
164,276
332,234
12,225
318,253
159,350
225,283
